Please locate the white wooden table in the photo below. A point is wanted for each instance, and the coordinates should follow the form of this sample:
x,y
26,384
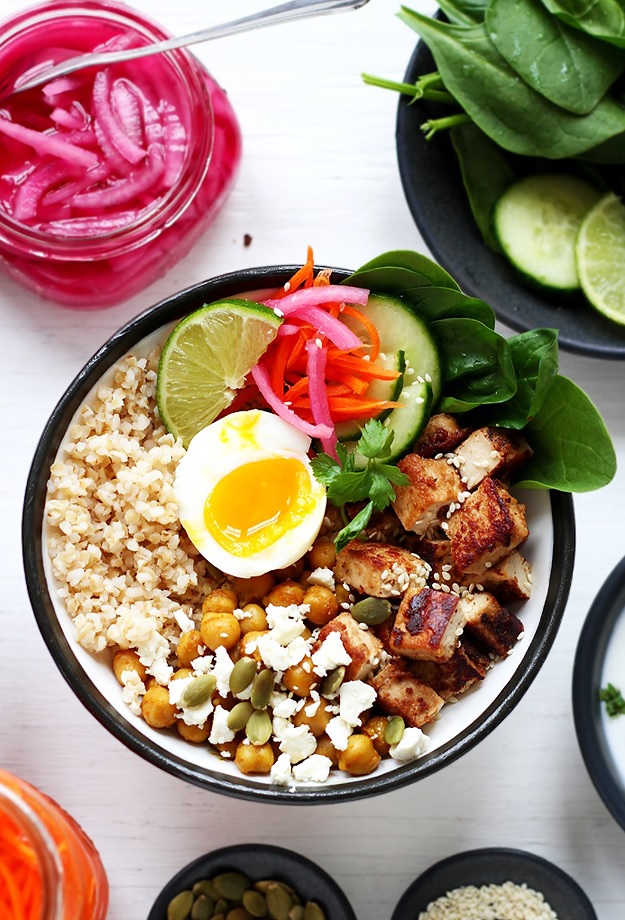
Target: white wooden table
x,y
319,167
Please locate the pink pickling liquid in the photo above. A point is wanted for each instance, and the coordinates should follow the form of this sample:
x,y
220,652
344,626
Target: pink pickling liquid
x,y
67,235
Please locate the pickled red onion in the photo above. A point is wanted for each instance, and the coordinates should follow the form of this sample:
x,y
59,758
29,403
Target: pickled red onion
x,y
318,393
48,144
124,190
261,379
105,117
303,304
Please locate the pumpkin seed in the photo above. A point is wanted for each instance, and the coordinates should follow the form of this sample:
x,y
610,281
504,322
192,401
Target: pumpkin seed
x,y
258,728
371,610
238,913
254,903
263,884
198,691
231,885
262,689
279,901
331,683
179,908
220,916
394,730
296,912
202,908
205,886
242,674
220,908
312,911
238,716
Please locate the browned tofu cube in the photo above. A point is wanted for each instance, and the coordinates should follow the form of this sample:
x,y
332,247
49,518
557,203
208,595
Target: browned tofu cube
x,y
434,485
487,526
362,645
379,569
441,435
510,579
428,625
495,627
489,452
467,665
400,693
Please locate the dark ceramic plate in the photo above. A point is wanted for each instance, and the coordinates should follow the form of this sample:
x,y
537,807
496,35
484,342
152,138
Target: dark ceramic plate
x,y
494,866
551,551
261,861
606,611
438,203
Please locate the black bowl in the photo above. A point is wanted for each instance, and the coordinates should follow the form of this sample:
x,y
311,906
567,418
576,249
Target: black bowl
x,y
433,187
607,610
494,866
261,861
461,727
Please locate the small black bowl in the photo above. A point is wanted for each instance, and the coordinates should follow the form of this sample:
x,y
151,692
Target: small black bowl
x,y
437,200
551,550
590,722
494,866
261,861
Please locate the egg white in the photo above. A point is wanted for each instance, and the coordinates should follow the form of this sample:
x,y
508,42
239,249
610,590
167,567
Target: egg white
x,y
220,448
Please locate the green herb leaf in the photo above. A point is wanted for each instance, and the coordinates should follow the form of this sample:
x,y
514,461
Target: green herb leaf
x,y
355,527
613,699
375,440
325,469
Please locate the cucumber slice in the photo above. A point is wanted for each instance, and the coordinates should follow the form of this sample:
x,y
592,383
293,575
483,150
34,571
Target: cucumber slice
x,y
536,221
378,389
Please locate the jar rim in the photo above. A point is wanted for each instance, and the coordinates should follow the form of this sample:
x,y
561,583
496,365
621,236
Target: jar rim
x,y
44,846
175,201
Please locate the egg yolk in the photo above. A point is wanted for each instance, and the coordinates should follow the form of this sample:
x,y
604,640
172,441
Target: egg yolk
x,y
256,504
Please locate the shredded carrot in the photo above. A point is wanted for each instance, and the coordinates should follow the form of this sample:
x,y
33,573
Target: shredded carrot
x,y
303,277
372,332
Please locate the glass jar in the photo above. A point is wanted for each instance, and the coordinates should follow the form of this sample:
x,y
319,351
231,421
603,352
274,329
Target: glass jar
x,y
49,869
91,233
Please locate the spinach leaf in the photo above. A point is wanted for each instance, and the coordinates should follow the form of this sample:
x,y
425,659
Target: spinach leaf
x,y
535,358
569,67
503,106
605,19
572,448
476,365
430,272
468,12
440,303
486,174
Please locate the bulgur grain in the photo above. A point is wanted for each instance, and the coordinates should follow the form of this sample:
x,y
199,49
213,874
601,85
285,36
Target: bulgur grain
x,y
490,902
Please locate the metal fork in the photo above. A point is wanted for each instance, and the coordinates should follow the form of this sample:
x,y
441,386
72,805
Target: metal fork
x,y
285,12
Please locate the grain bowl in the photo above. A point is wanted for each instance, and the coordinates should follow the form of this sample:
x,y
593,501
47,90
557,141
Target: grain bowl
x,y
169,582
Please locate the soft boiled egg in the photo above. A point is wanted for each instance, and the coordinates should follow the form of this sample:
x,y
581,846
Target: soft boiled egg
x,y
247,495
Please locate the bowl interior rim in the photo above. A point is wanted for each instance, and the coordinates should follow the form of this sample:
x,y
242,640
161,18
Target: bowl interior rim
x,y
167,311
257,859
496,865
459,256
607,607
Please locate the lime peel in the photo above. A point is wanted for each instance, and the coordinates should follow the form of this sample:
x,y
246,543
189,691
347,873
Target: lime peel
x,y
600,257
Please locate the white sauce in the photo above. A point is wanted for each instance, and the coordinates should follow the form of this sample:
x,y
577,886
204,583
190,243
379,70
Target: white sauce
x,y
614,673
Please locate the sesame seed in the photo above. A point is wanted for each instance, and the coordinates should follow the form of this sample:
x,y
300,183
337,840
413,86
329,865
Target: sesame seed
x,y
278,312
419,400
287,286
428,379
409,371
318,343
445,589
438,457
382,356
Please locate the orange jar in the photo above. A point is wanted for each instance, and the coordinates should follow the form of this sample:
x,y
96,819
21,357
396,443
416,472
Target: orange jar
x,y
49,869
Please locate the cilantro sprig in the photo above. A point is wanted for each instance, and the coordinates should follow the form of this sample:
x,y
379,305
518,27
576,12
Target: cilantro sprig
x,y
346,484
613,699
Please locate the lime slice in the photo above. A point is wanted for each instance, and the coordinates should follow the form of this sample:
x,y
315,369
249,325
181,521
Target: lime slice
x,y
600,254
207,358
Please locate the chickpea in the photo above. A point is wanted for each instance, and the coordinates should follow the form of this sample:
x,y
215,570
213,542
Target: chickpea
x,y
228,747
292,572
151,681
255,619
126,660
246,642
300,678
181,672
156,708
226,702
323,554
254,758
189,647
323,604
220,629
317,722
359,757
327,749
303,579
222,600
285,594
251,590
374,728
193,733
